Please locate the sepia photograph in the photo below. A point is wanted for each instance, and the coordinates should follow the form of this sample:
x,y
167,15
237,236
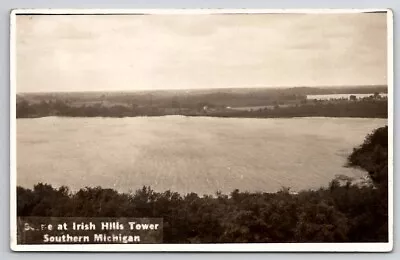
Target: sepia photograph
x,y
201,130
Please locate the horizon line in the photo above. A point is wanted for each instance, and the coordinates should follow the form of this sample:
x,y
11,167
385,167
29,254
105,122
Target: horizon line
x,y
199,89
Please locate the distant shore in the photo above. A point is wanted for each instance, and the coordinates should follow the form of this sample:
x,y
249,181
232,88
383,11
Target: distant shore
x,y
365,108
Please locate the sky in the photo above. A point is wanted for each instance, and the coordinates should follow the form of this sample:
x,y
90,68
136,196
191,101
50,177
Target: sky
x,y
143,52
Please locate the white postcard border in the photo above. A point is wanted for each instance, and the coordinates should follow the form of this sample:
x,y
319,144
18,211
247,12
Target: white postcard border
x,y
231,247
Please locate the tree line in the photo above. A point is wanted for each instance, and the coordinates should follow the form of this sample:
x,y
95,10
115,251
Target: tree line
x,y
367,108
343,211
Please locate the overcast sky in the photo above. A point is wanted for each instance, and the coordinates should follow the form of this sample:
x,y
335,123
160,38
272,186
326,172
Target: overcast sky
x,y
131,52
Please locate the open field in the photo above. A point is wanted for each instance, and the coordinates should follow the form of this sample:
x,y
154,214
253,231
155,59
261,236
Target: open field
x,y
187,154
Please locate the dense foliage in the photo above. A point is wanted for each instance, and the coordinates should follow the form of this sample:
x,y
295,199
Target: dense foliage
x,y
342,212
372,156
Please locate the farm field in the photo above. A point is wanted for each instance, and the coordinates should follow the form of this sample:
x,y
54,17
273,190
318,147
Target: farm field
x,y
188,154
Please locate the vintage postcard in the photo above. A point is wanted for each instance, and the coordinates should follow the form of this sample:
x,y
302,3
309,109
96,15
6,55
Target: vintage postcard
x,y
201,130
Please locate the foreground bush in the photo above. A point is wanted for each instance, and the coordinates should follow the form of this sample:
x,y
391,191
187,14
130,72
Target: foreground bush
x,y
335,214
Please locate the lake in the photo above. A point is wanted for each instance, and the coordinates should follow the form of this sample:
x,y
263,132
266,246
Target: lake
x,y
340,96
188,154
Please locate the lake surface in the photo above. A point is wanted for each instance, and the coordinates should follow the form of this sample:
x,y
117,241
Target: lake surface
x,y
340,96
188,154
